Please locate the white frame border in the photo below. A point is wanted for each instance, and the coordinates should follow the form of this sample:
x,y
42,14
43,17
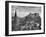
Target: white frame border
x,y
24,32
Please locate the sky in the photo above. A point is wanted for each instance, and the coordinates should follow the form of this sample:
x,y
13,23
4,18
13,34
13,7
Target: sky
x,y
25,10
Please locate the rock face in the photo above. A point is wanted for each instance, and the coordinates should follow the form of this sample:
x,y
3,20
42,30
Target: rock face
x,y
30,22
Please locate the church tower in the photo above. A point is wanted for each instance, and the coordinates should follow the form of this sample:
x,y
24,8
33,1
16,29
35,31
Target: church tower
x,y
15,14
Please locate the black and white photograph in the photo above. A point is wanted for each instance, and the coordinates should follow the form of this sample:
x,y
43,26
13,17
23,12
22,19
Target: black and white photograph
x,y
25,18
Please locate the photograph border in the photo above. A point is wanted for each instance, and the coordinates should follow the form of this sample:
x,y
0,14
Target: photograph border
x,y
7,17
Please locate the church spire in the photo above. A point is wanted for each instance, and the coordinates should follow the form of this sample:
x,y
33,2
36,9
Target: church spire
x,y
15,14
